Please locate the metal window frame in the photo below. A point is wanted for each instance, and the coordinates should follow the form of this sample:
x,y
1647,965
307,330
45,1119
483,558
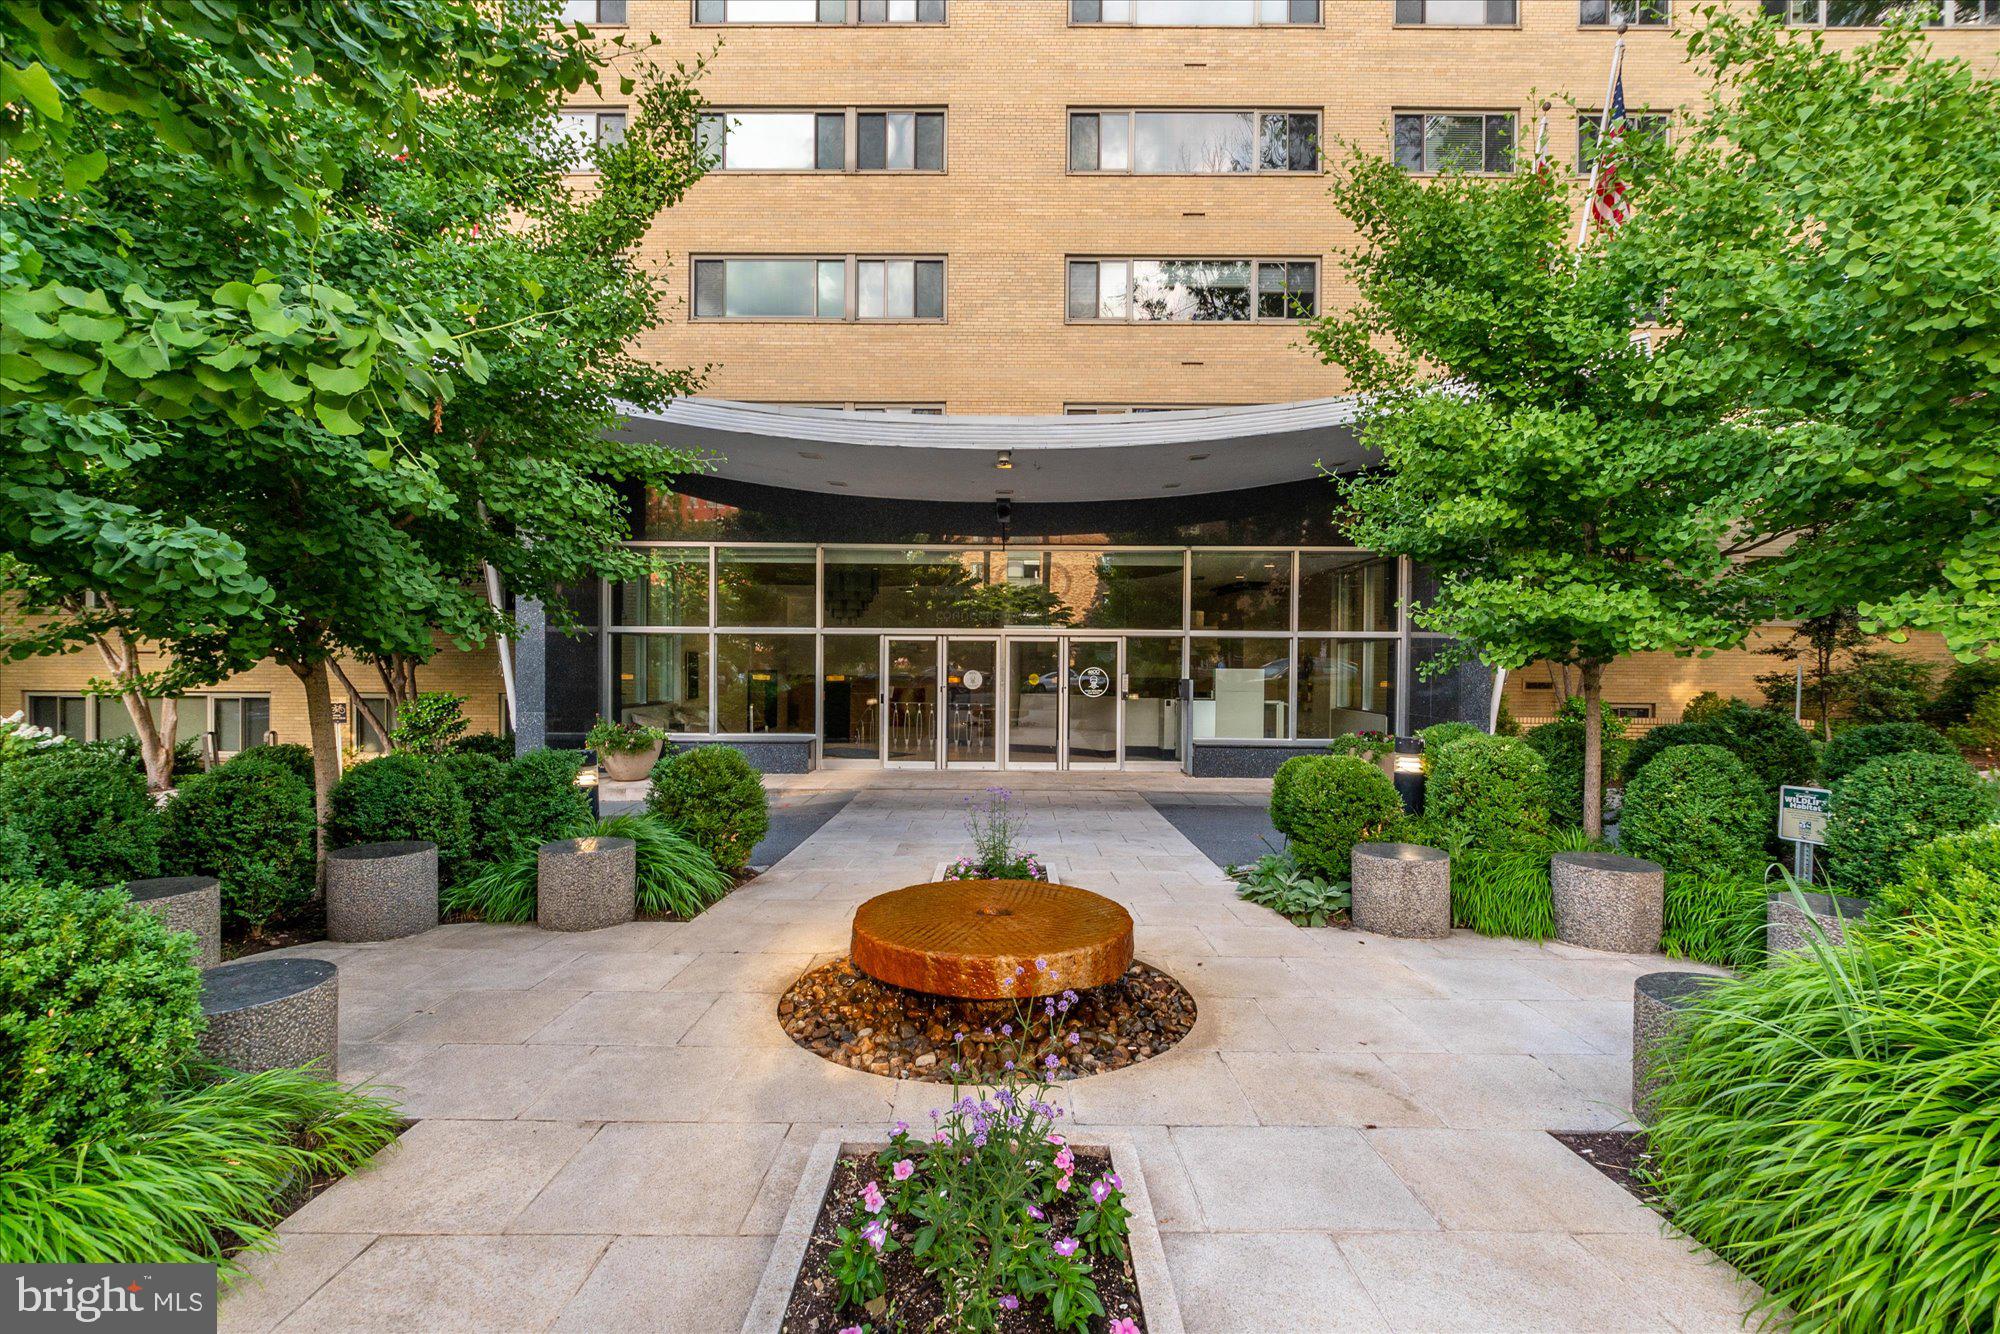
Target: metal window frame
x,y
1611,20
1425,22
851,20
1257,20
853,302
1255,261
1487,113
1257,114
850,141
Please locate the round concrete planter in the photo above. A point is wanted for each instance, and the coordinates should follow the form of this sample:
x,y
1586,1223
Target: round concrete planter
x,y
1401,889
1606,902
191,903
264,1014
1789,928
381,891
585,884
631,766
1659,1002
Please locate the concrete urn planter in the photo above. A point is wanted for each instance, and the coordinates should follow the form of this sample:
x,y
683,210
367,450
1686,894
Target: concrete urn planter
x,y
191,903
629,766
1401,889
1607,902
1788,928
586,884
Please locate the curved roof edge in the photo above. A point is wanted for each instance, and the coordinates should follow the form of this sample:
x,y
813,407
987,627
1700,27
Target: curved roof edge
x,y
1127,456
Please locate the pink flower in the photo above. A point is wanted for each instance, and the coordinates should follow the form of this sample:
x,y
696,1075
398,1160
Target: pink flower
x,y
1062,1182
851,1329
1122,1325
871,1195
876,1234
1009,1302
1065,1160
1035,1213
1100,1191
903,1169
1066,1247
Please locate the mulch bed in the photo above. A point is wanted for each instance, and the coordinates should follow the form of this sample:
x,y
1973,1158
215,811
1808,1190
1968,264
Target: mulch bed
x,y
309,928
840,1013
1620,1155
913,1301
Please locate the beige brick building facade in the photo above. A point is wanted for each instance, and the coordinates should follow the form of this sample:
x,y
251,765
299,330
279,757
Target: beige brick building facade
x,y
1007,213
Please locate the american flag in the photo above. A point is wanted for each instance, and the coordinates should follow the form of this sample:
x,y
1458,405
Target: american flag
x,y
1607,201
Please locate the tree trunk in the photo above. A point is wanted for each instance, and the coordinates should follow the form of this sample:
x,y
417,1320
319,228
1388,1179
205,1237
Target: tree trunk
x,y
1593,750
325,746
121,657
361,707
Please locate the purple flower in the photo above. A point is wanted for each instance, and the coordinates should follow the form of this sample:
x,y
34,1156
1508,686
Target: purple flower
x,y
876,1234
1008,1066
1006,1030
1019,971
954,1067
1041,964
959,1036
1066,1247
902,1127
934,1113
989,1030
904,1168
1073,1038
1116,1184
1100,1191
1051,1062
1008,1302
1036,1214
871,1195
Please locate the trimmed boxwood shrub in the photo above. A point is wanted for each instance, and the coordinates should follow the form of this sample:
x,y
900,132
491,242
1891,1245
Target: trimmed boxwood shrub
x,y
714,796
1962,870
1714,917
1281,791
1770,743
537,802
1560,744
1827,1128
1889,807
295,758
398,797
479,779
1439,735
1695,810
1853,747
1338,801
491,744
1490,792
84,815
98,1005
250,825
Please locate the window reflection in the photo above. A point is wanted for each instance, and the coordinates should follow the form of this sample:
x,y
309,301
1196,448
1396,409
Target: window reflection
x,y
1347,590
1346,686
764,586
1242,687
1241,590
764,683
674,590
662,681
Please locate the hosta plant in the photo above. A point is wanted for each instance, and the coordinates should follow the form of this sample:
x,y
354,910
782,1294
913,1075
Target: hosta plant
x,y
975,1202
1279,883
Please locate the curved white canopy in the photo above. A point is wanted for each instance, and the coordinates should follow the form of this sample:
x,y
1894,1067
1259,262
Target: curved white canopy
x,y
1133,456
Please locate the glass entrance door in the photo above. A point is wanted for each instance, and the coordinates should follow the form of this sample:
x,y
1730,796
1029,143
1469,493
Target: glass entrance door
x,y
971,699
910,704
1093,716
1034,703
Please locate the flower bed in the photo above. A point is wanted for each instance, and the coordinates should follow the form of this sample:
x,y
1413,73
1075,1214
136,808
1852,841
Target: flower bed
x,y
993,830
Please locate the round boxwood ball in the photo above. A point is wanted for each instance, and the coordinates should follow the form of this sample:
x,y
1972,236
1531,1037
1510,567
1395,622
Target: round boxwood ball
x,y
1491,791
1336,802
1853,747
1889,807
1694,809
715,797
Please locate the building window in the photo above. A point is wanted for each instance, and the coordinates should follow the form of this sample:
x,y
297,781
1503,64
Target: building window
x,y
1349,591
1240,590
1191,290
819,11
585,130
1611,13
63,714
1125,409
1196,13
1346,686
1242,687
897,409
846,287
819,140
593,11
1193,143
238,721
1873,13
662,680
1652,125
1464,141
765,586
764,683
674,591
361,732
1457,13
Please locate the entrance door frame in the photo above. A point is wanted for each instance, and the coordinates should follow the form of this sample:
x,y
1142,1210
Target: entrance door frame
x,y
941,642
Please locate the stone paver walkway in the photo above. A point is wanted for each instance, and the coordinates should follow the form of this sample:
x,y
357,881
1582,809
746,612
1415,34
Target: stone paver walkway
x,y
610,1126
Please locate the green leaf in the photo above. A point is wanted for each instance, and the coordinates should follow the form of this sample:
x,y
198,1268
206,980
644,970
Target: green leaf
x,y
81,171
335,418
345,381
278,383
31,84
89,329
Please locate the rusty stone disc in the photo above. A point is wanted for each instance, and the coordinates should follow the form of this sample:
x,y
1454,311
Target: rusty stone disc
x,y
981,939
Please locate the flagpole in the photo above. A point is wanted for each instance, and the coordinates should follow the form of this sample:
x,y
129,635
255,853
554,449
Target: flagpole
x,y
1603,127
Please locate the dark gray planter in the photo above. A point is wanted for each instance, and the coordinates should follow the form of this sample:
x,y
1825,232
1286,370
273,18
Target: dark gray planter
x,y
586,884
1659,1002
264,1014
1788,928
1607,902
191,903
381,891
1401,889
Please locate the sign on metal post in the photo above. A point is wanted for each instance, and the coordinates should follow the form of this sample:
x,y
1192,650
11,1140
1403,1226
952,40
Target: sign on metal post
x,y
1802,813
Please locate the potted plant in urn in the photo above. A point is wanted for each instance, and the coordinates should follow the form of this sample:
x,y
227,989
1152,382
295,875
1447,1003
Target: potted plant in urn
x,y
625,751
1378,748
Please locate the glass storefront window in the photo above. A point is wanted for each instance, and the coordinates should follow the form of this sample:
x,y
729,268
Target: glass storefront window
x,y
764,683
1347,590
1241,590
1242,687
764,586
852,693
1133,590
1153,698
673,592
662,681
1346,685
897,589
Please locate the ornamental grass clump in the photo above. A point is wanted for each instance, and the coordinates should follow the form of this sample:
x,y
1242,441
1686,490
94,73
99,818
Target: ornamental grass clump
x,y
1715,916
993,1205
1827,1126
